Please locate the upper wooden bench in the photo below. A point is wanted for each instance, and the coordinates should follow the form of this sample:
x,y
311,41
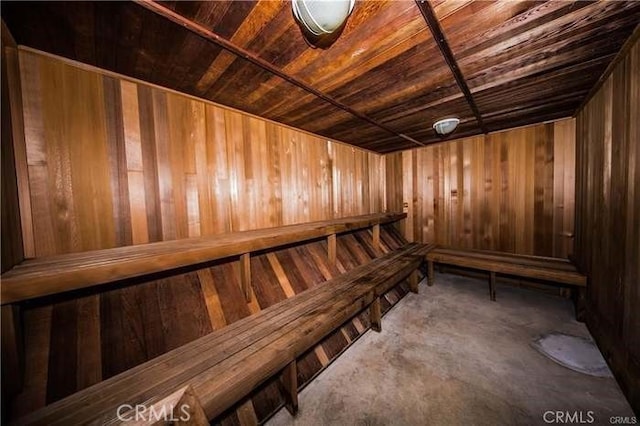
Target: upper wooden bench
x,y
538,267
57,274
212,373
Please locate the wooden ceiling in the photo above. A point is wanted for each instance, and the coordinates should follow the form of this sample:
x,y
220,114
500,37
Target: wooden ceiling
x,y
380,86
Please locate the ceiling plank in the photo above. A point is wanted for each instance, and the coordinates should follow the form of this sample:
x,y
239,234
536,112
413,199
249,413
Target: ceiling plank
x,y
239,51
523,61
605,75
438,35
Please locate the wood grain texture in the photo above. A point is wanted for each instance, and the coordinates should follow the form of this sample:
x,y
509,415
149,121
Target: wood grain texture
x,y
137,323
517,57
182,406
206,33
510,191
439,37
12,249
114,162
245,275
226,365
607,246
12,129
51,275
12,349
290,384
537,267
533,59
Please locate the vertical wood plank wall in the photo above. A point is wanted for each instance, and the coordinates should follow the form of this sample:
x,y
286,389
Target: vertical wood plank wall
x,y
114,162
511,191
12,251
607,243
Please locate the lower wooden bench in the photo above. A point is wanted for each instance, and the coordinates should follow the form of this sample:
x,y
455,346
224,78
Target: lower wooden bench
x,y
550,269
209,375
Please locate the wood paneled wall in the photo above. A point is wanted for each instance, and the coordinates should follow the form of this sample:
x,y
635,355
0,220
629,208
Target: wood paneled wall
x,y
510,191
608,218
11,252
115,162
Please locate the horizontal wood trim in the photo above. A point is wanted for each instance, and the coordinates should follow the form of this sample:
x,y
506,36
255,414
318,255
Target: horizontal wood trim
x,y
527,267
242,355
57,274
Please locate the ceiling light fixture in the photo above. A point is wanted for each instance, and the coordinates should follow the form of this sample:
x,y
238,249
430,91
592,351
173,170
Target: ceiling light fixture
x,y
321,17
446,126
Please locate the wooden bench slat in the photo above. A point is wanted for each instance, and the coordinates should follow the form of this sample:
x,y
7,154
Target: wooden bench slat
x,y
555,263
45,276
225,342
544,268
229,343
226,382
495,265
502,254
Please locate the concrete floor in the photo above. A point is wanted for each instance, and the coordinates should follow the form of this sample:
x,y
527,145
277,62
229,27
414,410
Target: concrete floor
x,y
449,356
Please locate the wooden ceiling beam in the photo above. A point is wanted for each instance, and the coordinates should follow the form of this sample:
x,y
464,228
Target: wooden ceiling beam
x,y
209,35
433,24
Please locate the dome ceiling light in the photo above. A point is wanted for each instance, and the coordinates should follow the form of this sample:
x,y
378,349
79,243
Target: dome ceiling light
x,y
322,21
446,126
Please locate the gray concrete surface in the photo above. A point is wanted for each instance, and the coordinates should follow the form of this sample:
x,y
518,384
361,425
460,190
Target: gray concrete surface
x,y
449,356
577,353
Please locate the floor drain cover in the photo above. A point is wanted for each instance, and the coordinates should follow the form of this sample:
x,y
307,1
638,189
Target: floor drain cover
x,y
576,353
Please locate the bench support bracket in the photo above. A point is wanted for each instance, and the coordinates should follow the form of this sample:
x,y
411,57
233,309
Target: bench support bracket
x,y
376,238
245,275
289,382
331,248
492,286
413,282
375,315
430,273
580,303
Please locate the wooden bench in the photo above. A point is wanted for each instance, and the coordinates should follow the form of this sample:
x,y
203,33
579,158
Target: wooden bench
x,y
550,269
53,275
214,372
45,276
